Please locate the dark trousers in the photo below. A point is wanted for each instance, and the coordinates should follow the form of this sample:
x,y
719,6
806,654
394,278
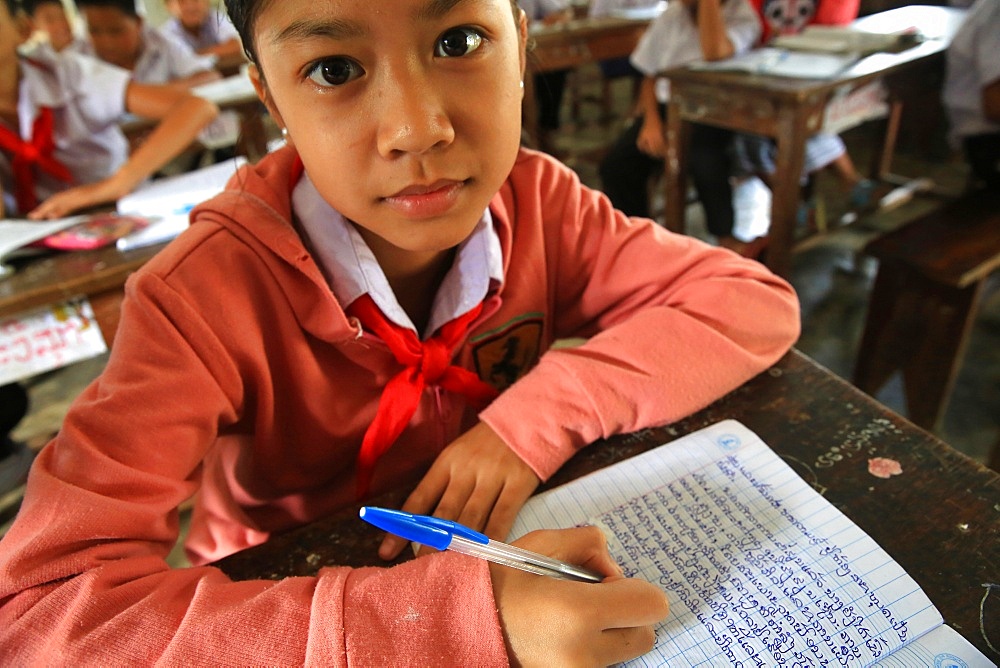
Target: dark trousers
x,y
549,88
983,155
625,173
13,407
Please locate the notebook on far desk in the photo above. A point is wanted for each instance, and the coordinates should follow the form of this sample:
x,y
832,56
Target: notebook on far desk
x,y
783,63
760,569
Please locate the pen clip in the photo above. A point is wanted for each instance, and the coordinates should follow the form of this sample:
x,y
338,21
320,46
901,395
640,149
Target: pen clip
x,y
424,529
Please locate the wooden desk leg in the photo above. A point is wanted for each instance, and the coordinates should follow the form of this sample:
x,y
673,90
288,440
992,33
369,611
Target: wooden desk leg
x,y
677,131
920,328
785,189
883,168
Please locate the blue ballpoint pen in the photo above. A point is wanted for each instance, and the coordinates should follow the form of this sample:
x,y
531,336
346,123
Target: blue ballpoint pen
x,y
447,535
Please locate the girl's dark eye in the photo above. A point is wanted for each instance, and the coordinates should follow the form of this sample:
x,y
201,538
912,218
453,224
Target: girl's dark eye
x,y
335,71
458,42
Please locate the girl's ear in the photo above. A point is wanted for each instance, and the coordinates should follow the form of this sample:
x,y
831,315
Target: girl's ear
x,y
259,85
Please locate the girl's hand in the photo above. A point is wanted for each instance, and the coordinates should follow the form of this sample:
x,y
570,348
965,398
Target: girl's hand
x,y
477,480
550,622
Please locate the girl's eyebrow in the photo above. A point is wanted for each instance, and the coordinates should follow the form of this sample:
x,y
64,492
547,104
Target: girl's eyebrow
x,y
303,30
340,29
435,9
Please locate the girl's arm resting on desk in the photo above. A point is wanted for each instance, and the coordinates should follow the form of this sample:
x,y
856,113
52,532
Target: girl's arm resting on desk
x,y
671,324
182,116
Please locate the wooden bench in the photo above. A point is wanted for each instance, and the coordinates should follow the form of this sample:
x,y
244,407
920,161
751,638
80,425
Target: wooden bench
x,y
931,273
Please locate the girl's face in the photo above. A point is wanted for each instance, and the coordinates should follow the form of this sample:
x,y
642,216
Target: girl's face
x,y
406,113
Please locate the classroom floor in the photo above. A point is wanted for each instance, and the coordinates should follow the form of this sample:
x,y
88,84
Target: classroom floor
x,y
833,281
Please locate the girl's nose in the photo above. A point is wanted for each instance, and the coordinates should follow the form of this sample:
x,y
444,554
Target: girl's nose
x,y
411,112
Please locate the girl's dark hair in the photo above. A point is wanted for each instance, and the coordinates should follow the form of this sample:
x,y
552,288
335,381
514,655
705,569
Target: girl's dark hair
x,y
243,14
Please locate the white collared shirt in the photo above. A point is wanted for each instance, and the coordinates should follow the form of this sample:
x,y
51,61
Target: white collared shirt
x,y
87,97
352,270
215,29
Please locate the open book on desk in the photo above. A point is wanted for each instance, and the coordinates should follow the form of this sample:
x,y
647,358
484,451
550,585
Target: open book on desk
x,y
845,39
782,63
16,234
759,568
170,200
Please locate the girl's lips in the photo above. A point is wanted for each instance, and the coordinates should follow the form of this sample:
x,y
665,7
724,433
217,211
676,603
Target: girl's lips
x,y
425,201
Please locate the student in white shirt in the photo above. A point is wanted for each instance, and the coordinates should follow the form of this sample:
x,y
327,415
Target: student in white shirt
x,y
687,31
207,31
972,91
83,160
118,35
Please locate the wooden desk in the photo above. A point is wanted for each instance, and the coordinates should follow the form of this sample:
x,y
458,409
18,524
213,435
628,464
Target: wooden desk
x,y
791,110
234,93
231,64
940,519
98,275
573,44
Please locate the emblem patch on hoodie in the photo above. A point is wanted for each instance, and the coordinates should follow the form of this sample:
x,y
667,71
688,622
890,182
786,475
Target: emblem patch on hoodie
x,y
506,353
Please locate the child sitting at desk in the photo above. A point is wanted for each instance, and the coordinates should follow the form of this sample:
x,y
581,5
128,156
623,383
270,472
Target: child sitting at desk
x,y
373,303
206,30
60,143
687,31
49,19
751,158
118,35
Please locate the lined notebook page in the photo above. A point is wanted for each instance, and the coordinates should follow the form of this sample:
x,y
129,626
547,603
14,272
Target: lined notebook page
x,y
760,569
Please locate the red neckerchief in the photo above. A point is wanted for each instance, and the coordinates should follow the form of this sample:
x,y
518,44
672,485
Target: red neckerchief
x,y
425,365
26,155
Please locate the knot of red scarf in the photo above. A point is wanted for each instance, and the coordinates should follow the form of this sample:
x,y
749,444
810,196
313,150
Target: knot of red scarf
x,y
26,155
424,364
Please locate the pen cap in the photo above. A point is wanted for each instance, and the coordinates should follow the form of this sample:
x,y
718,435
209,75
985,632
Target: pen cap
x,y
430,531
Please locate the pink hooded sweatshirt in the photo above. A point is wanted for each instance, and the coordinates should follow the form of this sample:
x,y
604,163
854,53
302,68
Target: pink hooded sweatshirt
x,y
237,379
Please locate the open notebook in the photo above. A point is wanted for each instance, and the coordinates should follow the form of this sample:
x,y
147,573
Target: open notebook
x,y
783,63
760,569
